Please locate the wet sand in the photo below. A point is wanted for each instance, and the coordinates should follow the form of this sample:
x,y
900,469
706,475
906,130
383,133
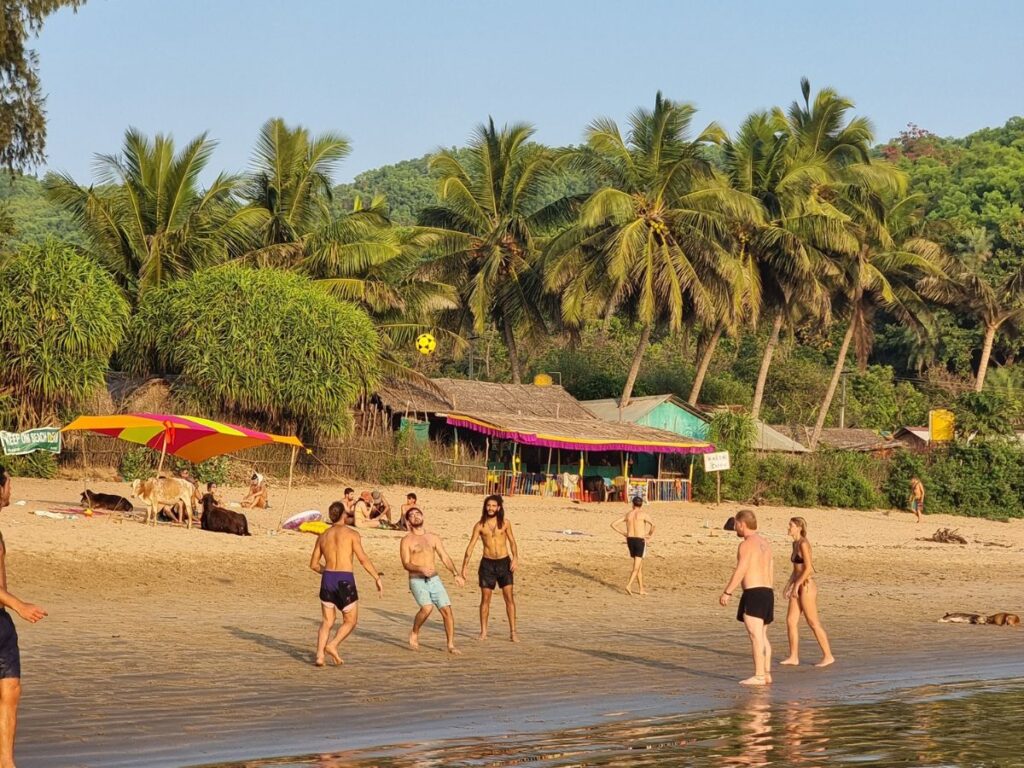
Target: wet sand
x,y
167,647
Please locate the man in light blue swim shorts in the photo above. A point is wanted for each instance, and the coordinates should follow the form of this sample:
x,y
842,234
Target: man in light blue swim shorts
x,y
419,551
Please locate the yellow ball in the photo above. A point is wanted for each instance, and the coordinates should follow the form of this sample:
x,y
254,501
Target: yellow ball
x,y
88,513
426,344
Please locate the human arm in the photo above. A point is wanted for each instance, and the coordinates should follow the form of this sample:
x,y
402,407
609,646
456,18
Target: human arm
x,y
446,559
364,560
742,563
473,538
623,531
316,557
513,546
650,527
29,612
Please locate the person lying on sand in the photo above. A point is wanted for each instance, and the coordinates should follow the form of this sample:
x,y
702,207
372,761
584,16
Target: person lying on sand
x,y
332,559
257,497
637,528
419,551
754,570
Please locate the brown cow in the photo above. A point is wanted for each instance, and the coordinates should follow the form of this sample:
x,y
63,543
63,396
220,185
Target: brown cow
x,y
159,492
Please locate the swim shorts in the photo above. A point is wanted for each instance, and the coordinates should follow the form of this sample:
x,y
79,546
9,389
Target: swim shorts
x,y
429,590
637,546
495,572
758,602
338,590
10,656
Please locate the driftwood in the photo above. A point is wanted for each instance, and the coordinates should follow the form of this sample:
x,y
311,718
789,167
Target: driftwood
x,y
947,536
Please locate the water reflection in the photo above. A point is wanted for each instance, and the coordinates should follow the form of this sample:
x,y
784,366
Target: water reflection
x,y
976,726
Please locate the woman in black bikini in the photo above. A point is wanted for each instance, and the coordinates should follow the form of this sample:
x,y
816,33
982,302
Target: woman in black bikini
x,y
803,596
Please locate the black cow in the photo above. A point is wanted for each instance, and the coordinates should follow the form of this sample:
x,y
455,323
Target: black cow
x,y
220,520
93,500
594,484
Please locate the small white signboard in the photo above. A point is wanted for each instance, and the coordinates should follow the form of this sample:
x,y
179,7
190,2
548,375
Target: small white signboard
x,y
716,462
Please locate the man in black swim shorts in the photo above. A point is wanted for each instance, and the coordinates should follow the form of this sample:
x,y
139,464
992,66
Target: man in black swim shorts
x,y
755,571
498,564
638,528
10,655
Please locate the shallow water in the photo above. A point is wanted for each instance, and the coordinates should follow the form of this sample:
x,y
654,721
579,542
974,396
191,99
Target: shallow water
x,y
978,724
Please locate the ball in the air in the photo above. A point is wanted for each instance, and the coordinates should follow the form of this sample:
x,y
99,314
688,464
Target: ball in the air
x,y
426,344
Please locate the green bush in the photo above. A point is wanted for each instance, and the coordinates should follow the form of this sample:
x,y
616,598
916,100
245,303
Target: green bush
x,y
844,480
411,464
38,464
140,463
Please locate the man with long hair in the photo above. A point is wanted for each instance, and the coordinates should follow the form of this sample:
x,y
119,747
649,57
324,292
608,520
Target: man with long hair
x,y
498,564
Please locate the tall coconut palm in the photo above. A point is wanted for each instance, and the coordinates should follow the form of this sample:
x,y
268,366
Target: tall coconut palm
x,y
491,209
148,217
997,304
784,259
652,239
886,271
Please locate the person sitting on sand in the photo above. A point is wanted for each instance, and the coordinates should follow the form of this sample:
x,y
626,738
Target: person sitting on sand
x,y
257,497
380,509
802,594
332,559
410,502
754,570
916,497
638,529
211,491
498,564
419,551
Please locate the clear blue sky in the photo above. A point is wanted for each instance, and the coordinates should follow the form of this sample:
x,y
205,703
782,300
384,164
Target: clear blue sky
x,y
400,79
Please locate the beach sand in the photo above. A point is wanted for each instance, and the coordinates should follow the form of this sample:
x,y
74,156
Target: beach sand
x,y
169,647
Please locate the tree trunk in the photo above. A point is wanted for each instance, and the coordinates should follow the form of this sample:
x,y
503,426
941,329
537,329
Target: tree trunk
x,y
634,369
830,393
513,353
766,363
986,353
705,362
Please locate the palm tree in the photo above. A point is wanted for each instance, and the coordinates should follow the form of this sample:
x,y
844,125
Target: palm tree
x,y
650,241
148,218
997,304
490,212
887,271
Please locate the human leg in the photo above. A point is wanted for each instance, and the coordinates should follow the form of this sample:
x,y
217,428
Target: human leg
x,y
485,610
755,631
328,614
449,629
417,624
809,604
349,620
510,610
792,631
10,696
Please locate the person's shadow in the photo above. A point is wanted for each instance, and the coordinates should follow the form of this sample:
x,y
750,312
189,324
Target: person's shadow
x,y
586,576
297,652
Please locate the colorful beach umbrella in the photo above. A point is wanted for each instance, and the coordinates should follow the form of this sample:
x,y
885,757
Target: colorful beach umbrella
x,y
187,437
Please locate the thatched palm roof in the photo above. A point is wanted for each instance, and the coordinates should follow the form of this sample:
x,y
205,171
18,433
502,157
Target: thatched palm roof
x,y
481,397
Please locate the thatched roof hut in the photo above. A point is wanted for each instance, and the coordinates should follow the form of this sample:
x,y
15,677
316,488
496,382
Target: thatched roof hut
x,y
480,396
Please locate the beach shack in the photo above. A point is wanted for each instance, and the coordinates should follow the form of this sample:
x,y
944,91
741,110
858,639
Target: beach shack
x,y
540,440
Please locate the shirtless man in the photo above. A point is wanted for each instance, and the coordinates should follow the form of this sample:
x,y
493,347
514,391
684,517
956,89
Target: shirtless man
x,y
419,551
501,555
10,656
755,571
638,528
336,547
916,497
348,501
410,502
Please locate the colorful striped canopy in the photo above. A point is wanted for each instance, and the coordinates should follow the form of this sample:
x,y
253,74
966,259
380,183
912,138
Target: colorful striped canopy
x,y
188,437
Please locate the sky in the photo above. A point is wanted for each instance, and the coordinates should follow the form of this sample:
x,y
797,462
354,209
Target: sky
x,y
400,79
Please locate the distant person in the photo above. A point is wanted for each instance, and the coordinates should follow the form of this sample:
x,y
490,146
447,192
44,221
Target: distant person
x,y
637,528
755,572
332,559
419,551
916,497
802,593
380,509
257,497
410,502
213,492
348,501
498,564
10,654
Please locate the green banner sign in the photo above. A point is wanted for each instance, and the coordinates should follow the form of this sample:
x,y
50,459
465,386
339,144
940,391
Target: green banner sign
x,y
20,443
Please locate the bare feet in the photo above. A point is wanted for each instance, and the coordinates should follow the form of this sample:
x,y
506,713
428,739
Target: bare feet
x,y
629,591
791,661
825,662
482,636
319,661
768,678
333,653
514,637
414,641
643,591
755,680
454,651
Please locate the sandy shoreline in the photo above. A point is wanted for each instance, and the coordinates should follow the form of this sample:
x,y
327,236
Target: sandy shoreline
x,y
167,647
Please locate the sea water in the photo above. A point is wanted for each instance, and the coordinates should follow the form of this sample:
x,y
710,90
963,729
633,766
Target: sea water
x,y
965,725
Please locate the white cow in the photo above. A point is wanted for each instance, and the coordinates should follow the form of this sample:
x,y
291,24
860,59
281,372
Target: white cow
x,y
159,492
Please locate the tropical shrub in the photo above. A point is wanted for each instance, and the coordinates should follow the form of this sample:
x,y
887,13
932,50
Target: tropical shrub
x,y
61,318
38,464
259,347
140,463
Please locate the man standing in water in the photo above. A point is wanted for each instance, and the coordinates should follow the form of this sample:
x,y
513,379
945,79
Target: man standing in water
x,y
501,555
419,551
755,571
10,655
336,547
637,527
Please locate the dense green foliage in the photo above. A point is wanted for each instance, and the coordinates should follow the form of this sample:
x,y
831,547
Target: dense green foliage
x,y
32,217
261,346
61,318
141,463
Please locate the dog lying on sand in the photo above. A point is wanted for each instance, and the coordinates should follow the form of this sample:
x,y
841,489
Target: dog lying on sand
x,y
1002,619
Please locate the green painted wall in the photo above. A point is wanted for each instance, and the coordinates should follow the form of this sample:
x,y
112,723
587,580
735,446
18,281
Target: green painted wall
x,y
672,418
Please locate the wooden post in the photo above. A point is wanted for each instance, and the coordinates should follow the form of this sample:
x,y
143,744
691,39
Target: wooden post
x,y
718,487
163,452
288,490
